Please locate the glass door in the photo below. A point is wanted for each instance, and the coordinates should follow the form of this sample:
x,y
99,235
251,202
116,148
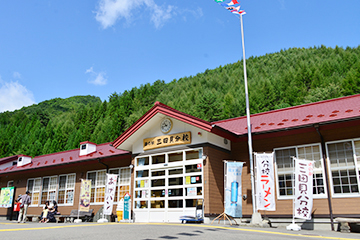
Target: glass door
x,y
167,186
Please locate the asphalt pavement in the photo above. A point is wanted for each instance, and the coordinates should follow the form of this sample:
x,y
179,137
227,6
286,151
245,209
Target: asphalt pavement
x,y
151,231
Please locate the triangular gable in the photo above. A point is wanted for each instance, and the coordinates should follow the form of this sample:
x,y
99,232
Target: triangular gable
x,y
158,111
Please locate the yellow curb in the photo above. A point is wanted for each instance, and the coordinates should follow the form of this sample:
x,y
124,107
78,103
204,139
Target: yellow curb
x,y
173,224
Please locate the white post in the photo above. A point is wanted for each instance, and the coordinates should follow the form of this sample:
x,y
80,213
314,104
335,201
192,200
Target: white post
x,y
225,177
293,226
248,120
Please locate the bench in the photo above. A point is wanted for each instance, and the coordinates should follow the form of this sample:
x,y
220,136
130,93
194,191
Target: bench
x,y
83,215
32,217
344,223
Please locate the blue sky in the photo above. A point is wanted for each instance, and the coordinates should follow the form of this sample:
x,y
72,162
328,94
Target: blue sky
x,y
51,49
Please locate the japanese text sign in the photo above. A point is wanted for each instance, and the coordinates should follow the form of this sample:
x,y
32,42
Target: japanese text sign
x,y
303,200
85,194
167,140
265,187
110,189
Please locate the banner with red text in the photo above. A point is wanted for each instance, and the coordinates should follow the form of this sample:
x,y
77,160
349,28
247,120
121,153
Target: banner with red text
x,y
265,186
303,200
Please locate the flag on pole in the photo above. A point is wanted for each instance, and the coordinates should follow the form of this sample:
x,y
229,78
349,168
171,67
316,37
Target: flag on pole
x,y
233,192
265,187
85,195
111,184
303,200
233,6
233,2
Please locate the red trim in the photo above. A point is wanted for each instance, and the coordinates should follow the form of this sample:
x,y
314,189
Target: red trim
x,y
170,112
88,142
307,129
64,165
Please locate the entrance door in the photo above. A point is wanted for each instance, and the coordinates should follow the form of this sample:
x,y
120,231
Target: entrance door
x,y
167,186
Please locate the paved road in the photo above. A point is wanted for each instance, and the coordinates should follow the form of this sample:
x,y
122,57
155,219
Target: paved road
x,y
61,231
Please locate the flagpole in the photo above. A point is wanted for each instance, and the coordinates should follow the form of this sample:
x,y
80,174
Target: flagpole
x,y
248,120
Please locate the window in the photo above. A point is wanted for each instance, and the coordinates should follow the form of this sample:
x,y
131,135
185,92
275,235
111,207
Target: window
x,y
60,189
98,184
285,169
49,185
344,160
34,186
66,189
10,184
123,182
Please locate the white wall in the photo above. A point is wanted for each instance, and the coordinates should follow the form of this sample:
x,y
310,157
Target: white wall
x,y
179,127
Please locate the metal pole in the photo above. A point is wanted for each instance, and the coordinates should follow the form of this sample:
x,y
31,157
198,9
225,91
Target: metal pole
x,y
248,120
323,149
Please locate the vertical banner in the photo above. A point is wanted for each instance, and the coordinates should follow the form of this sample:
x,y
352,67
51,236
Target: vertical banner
x,y
6,197
127,206
233,201
303,200
111,184
265,187
85,194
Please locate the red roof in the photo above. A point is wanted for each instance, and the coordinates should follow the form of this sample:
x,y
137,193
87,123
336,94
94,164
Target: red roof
x,y
9,159
66,157
333,110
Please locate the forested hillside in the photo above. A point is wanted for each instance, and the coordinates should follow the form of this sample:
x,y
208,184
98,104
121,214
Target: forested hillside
x,y
286,78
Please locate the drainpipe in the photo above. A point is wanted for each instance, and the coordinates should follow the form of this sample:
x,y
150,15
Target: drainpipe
x,y
107,167
316,126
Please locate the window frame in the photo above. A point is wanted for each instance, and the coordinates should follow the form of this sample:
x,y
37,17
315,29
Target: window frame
x,y
48,189
32,191
144,200
10,183
356,168
119,184
66,189
320,170
41,190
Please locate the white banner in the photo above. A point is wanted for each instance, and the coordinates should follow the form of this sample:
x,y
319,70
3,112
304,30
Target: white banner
x,y
265,187
111,180
303,200
233,192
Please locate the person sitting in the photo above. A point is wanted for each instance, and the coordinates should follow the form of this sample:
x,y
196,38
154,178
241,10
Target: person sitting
x,y
53,210
44,216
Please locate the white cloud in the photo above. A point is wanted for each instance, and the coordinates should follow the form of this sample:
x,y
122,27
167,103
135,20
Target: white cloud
x,y
16,75
161,15
109,11
96,78
14,96
282,4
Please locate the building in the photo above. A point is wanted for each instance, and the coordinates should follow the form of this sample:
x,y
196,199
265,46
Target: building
x,y
176,159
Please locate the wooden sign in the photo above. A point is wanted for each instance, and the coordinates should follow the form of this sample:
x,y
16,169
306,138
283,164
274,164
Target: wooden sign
x,y
167,140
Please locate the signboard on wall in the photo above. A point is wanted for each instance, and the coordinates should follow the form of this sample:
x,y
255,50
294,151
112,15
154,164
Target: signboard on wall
x,y
6,197
167,140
